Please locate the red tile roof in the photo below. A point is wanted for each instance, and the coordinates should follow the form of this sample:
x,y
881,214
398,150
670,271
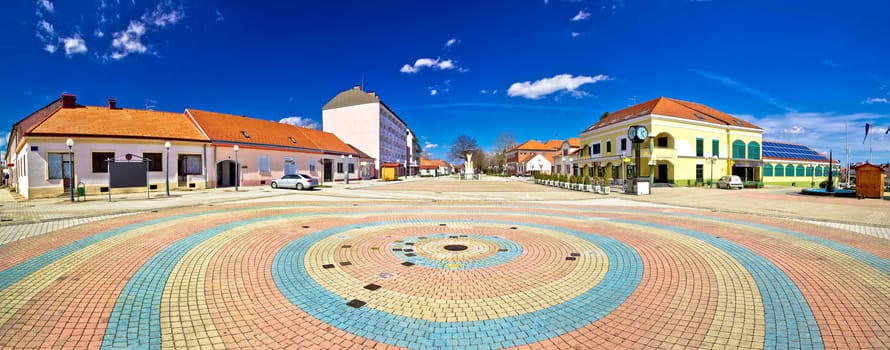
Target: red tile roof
x,y
122,122
220,127
673,108
574,142
534,145
555,143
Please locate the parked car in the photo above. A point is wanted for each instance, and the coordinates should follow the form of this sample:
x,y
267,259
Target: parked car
x,y
298,181
730,182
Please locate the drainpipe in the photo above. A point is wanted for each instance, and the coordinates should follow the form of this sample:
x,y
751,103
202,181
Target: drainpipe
x,y
651,158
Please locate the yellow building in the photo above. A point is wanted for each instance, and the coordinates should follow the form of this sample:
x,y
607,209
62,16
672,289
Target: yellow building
x,y
789,164
687,143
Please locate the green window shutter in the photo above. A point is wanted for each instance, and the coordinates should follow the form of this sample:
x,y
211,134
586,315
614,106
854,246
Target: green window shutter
x,y
715,148
753,150
699,147
768,170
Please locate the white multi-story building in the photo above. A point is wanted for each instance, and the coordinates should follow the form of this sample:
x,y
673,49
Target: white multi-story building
x,y
361,119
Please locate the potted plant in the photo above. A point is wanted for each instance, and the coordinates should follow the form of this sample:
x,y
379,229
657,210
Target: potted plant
x,y
587,184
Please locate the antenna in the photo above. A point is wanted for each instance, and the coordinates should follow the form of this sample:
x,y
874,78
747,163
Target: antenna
x,y
363,82
149,104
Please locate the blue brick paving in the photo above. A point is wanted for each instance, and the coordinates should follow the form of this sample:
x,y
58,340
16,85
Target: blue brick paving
x,y
513,250
622,278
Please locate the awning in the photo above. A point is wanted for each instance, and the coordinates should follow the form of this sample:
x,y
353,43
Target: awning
x,y
747,163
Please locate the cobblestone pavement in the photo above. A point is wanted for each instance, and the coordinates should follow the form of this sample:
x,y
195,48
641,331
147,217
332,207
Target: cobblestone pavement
x,y
343,268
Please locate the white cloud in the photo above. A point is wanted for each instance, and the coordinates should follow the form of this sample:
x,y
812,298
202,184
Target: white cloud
x,y
575,34
45,31
429,145
795,130
128,41
46,5
421,63
74,45
433,92
219,16
581,16
872,100
50,48
553,84
164,14
451,42
301,122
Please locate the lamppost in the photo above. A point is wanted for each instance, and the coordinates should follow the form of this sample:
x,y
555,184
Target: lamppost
x,y
70,144
348,170
712,159
237,168
167,167
813,174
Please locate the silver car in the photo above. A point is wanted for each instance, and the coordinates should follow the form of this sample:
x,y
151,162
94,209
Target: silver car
x,y
730,182
298,181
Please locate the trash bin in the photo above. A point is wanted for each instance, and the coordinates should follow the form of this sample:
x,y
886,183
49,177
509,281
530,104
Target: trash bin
x,y
81,191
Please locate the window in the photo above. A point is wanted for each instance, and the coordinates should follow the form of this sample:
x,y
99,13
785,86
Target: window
x,y
59,165
608,146
699,173
624,144
339,168
100,164
789,170
715,147
810,170
265,165
819,170
780,170
738,149
245,134
312,165
595,149
753,150
768,170
661,142
155,161
699,147
190,164
351,168
800,170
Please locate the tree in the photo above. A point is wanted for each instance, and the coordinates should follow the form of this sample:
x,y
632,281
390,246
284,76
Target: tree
x,y
605,115
462,145
504,143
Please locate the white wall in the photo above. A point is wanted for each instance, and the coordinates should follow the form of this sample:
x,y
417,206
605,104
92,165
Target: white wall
x,y
356,125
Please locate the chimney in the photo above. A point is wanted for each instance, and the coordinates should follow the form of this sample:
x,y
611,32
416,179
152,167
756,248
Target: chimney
x,y
112,103
357,87
68,101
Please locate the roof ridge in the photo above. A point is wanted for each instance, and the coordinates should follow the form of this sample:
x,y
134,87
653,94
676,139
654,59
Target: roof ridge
x,y
685,104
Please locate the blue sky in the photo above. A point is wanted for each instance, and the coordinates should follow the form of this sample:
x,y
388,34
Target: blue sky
x,y
802,70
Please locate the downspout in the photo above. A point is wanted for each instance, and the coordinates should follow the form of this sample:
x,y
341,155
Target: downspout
x,y
651,159
206,168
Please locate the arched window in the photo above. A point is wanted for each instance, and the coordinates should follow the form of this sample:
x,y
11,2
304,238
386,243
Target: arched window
x,y
810,171
818,170
780,170
800,171
753,150
789,170
738,149
768,170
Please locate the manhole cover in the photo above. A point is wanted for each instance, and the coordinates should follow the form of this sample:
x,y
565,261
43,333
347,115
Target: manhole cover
x,y
356,303
347,246
408,263
328,266
372,287
345,263
455,247
571,258
576,254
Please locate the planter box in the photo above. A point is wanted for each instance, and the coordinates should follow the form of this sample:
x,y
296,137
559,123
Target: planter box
x,y
597,189
606,190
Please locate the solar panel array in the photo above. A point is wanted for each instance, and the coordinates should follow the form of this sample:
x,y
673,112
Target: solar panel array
x,y
788,151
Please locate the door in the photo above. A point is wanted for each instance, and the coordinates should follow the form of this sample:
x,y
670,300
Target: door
x,y
328,173
661,174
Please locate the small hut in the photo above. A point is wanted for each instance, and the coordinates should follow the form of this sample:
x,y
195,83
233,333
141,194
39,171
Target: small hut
x,y
869,181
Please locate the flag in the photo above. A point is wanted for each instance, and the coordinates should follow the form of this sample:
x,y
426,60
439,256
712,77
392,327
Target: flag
x,y
867,126
887,131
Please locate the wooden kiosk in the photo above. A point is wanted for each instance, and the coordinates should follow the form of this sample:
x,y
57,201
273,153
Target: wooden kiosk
x,y
869,181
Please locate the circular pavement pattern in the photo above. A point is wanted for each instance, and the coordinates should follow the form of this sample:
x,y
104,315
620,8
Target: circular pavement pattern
x,y
464,276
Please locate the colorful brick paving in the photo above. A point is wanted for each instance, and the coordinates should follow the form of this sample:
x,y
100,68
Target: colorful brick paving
x,y
465,276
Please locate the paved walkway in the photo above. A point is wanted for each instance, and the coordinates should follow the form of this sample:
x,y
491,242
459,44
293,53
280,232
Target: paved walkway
x,y
475,266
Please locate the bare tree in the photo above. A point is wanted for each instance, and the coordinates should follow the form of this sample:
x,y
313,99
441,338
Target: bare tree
x,y
462,145
504,143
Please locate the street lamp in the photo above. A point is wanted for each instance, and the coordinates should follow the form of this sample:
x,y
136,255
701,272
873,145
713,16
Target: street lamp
x,y
167,167
349,169
712,159
237,168
70,144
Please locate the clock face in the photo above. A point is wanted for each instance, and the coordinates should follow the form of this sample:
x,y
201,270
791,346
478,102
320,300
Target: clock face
x,y
642,133
632,133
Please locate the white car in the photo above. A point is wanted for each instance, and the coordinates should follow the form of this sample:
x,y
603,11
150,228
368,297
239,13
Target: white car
x,y
730,182
298,181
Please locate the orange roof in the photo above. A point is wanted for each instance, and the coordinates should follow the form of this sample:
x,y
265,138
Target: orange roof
x,y
432,163
534,145
220,127
673,108
574,142
120,122
555,143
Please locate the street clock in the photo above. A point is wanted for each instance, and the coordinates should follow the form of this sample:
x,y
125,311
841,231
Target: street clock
x,y
637,133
